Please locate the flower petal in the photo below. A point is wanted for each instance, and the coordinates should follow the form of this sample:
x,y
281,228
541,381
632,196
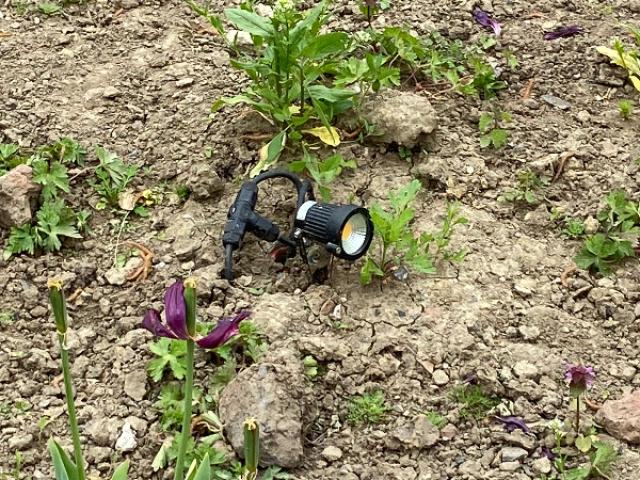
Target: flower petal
x,y
152,322
512,423
483,18
562,32
226,328
175,310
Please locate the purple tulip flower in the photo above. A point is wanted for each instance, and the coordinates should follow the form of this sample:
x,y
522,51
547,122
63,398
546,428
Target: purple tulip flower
x,y
486,21
513,423
563,32
175,312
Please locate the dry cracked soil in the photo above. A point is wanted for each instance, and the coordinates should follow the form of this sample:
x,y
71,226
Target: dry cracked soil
x,y
138,77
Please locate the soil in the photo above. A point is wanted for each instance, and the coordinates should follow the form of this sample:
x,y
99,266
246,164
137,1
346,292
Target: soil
x,y
139,77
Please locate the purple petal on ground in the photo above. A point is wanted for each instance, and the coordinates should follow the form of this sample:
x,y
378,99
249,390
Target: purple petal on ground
x,y
175,310
512,423
546,452
563,32
152,322
486,21
226,328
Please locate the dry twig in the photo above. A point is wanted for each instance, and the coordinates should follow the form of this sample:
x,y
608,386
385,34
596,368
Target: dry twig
x,y
142,272
564,277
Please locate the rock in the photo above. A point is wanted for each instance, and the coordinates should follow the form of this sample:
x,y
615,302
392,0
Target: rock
x,y
512,454
116,276
591,225
524,369
185,248
184,82
440,377
417,433
401,117
529,332
264,10
18,194
203,182
556,102
135,385
111,93
331,454
20,441
269,393
103,431
127,439
621,418
541,465
238,38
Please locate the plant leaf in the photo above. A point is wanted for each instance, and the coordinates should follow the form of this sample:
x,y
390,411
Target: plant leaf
x,y
330,135
63,467
269,153
122,472
583,443
204,471
249,22
325,45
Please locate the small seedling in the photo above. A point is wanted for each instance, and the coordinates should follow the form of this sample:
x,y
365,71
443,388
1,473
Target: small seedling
x,y
367,409
48,8
113,178
626,109
323,172
573,228
437,420
527,190
474,402
7,318
624,57
310,367
399,246
490,128
170,355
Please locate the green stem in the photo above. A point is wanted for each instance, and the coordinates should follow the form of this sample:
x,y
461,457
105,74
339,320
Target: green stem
x,y
186,420
578,415
71,407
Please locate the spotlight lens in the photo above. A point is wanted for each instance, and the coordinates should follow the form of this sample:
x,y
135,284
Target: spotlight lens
x,y
354,234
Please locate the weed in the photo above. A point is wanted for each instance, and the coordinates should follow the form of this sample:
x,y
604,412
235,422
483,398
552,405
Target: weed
x,y
113,177
624,57
171,403
323,172
399,246
437,420
65,150
9,157
310,367
183,192
371,7
367,409
511,59
573,228
490,127
169,354
527,189
7,318
49,8
626,109
474,403
248,342
620,224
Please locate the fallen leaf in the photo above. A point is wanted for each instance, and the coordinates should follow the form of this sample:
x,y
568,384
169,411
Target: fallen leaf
x,y
330,135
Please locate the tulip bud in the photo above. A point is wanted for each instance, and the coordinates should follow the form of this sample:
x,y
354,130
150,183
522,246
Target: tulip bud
x,y
56,298
251,447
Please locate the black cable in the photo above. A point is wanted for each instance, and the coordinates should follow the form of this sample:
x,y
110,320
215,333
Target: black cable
x,y
279,174
228,262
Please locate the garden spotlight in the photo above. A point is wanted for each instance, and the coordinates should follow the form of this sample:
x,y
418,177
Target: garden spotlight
x,y
345,231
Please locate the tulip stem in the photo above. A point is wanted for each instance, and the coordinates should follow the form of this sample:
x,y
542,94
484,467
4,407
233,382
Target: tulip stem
x,y
71,407
578,415
186,420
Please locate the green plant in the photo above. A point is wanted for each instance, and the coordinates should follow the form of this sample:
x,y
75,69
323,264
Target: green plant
x,y
474,402
399,246
323,172
169,354
65,150
573,228
64,467
171,404
9,157
7,318
371,7
620,224
624,57
251,432
437,420
289,69
527,189
249,343
368,408
49,8
490,128
310,367
113,178
626,109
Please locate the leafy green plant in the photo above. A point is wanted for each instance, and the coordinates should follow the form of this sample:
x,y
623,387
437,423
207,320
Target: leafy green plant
x,y
573,228
399,246
49,8
65,150
620,225
367,409
289,68
492,133
323,172
625,57
626,109
113,177
169,355
9,157
370,7
473,401
529,184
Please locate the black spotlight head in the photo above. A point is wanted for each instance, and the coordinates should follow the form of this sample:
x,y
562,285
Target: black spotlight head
x,y
345,230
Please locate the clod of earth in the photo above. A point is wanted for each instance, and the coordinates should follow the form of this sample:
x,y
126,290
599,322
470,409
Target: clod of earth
x,y
621,418
18,193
